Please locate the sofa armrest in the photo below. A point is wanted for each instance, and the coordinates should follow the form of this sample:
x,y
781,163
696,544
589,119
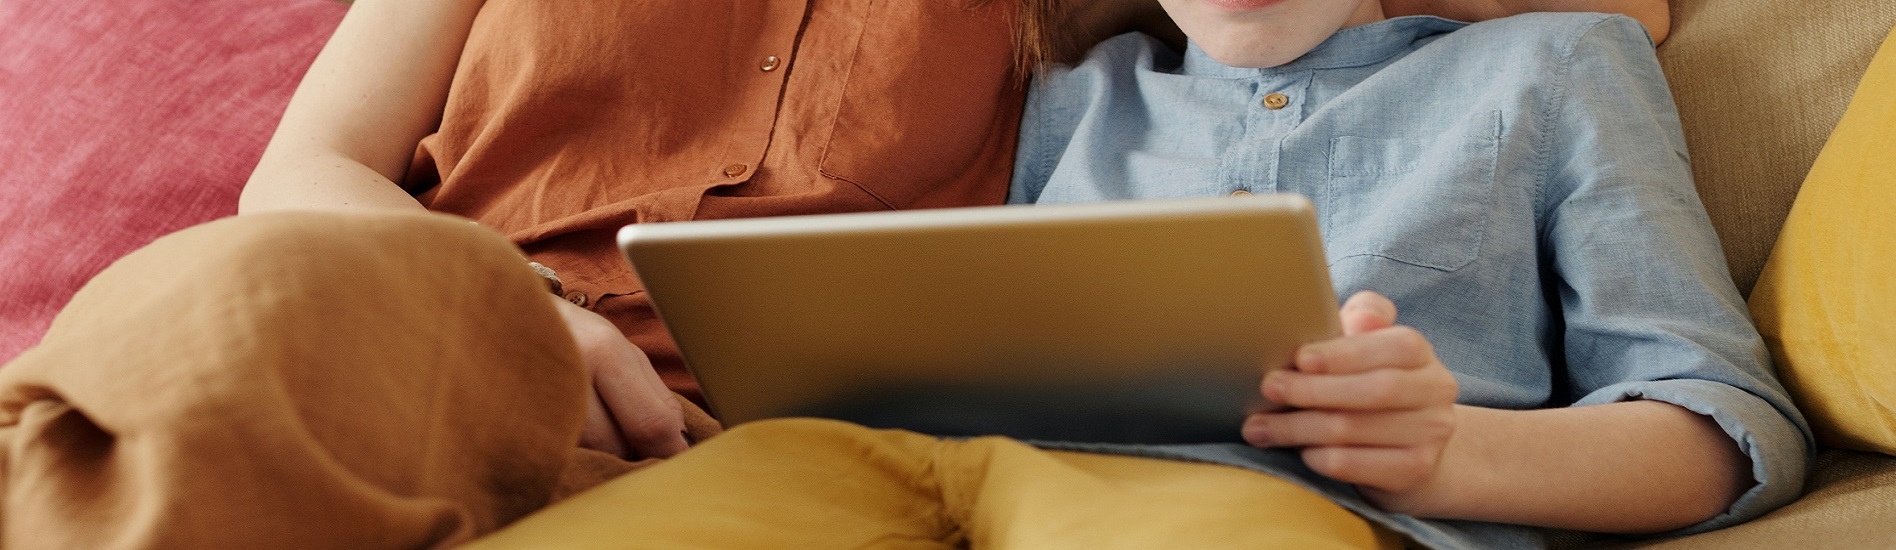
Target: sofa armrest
x,y
1850,504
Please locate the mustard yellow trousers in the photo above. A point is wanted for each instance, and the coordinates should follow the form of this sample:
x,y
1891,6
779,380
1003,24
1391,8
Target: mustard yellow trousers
x,y
806,483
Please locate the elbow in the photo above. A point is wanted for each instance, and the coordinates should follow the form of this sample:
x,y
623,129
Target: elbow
x,y
1721,491
1715,500
1721,473
1656,15
263,191
253,197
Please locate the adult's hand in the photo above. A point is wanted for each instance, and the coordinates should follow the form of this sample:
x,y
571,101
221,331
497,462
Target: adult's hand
x,y
629,412
1375,407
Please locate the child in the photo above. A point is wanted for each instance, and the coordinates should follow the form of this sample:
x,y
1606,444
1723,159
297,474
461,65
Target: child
x,y
1520,189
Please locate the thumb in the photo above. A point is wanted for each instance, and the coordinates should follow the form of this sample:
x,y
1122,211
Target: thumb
x,y
1367,311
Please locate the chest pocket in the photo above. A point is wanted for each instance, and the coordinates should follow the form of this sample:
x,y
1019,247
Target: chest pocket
x,y
1422,200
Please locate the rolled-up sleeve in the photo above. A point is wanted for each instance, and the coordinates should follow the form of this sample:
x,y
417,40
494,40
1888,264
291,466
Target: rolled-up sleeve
x,y
1648,305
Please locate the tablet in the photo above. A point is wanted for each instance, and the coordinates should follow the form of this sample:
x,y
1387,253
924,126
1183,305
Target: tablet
x,y
1119,322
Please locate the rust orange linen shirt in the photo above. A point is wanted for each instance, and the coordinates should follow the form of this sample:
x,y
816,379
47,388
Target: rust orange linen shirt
x,y
568,120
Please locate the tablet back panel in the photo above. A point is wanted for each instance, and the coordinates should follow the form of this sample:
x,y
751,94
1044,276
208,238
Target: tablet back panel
x,y
1124,322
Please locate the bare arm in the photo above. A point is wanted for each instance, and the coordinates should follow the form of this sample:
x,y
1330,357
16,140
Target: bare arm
x,y
376,89
1376,409
1629,467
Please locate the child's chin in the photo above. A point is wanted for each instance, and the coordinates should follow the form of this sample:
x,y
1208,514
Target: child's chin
x,y
1250,57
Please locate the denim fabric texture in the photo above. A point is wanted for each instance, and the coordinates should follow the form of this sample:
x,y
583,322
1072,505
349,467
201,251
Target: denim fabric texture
x,y
1519,187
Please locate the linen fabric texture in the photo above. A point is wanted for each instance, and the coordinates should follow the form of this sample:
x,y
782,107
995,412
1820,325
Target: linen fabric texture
x,y
1760,84
124,121
805,483
296,380
563,125
1518,187
1851,504
1825,299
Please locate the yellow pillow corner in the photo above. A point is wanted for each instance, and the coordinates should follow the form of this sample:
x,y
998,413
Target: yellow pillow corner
x,y
1826,302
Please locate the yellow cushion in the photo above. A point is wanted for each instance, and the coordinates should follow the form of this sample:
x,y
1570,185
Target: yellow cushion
x,y
1826,301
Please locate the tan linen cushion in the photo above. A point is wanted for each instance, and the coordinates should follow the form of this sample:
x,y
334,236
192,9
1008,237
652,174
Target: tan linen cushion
x,y
1851,506
1760,84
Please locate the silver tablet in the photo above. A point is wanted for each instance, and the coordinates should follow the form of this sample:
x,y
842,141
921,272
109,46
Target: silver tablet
x,y
1147,322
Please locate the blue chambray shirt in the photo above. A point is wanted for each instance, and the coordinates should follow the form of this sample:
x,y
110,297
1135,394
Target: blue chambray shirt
x,y
1518,187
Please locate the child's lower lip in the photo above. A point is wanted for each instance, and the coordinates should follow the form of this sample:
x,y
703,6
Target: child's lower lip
x,y
1242,5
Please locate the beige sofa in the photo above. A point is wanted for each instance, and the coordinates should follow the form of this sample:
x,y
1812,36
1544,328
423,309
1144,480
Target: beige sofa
x,y
1760,84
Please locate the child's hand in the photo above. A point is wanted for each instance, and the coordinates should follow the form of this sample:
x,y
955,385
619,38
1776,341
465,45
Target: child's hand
x,y
1374,408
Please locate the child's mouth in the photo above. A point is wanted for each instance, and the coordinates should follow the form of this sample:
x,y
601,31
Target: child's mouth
x,y
1243,5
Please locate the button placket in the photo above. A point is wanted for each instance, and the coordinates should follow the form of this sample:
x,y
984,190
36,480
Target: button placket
x,y
1280,101
775,38
1295,89
1253,165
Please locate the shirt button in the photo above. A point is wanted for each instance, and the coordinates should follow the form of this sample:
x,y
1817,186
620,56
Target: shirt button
x,y
770,63
577,298
735,170
1276,101
1240,193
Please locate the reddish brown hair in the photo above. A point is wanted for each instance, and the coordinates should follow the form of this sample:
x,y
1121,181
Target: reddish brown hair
x,y
1038,35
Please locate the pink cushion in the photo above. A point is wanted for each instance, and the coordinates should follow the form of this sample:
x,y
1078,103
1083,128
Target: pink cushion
x,y
121,121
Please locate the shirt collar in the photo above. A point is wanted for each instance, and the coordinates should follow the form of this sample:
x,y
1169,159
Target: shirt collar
x,y
1352,47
